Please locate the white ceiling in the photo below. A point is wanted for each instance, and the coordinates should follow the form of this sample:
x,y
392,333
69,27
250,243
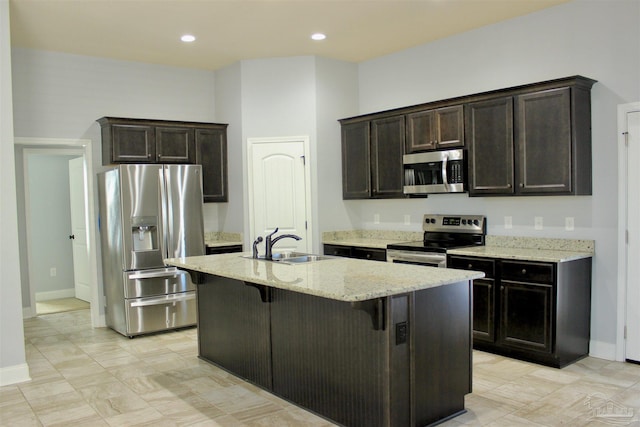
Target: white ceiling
x,y
228,31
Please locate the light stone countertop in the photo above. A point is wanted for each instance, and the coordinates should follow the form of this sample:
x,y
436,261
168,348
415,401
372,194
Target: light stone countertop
x,y
341,279
530,249
378,239
219,239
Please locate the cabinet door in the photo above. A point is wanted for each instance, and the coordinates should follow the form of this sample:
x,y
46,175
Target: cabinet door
x,y
420,131
484,295
133,144
526,316
175,145
489,138
484,310
449,127
356,169
387,148
543,126
211,153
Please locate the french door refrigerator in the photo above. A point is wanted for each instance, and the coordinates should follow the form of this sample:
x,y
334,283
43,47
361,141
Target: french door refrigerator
x,y
149,213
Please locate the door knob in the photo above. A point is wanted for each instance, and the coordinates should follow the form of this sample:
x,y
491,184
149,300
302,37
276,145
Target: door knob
x,y
72,236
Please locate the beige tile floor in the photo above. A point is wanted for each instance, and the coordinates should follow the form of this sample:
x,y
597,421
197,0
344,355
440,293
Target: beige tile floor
x,y
95,377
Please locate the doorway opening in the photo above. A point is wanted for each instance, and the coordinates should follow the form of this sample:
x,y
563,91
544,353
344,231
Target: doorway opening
x,y
628,334
61,280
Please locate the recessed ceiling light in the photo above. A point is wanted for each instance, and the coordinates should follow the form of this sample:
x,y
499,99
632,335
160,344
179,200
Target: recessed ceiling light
x,y
188,38
318,36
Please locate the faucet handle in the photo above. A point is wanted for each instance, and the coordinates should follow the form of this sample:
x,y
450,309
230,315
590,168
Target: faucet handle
x,y
273,232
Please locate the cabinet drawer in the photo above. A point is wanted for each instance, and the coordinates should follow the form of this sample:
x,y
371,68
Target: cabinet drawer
x,y
337,250
487,266
528,272
368,253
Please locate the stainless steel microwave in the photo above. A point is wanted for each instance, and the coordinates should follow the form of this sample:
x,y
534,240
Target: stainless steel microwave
x,y
434,172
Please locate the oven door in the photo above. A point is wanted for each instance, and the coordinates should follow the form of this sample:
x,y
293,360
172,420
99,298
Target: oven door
x,y
429,259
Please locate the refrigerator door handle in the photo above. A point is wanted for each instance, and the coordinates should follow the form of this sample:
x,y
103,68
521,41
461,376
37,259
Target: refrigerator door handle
x,y
165,299
165,272
164,212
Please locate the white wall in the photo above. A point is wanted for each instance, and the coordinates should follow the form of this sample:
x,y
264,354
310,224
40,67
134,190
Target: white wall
x,y
13,366
337,96
597,39
228,96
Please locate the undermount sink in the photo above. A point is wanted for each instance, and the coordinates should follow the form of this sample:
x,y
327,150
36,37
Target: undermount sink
x,y
293,257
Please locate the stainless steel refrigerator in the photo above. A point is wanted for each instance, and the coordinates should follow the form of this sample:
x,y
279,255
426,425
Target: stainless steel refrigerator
x,y
149,213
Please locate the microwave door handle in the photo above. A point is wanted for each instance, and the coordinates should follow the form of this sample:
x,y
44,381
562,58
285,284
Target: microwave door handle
x,y
445,180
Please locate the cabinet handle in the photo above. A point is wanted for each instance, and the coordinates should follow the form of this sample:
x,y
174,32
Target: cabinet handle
x,y
490,287
508,185
368,256
502,288
524,271
521,185
470,266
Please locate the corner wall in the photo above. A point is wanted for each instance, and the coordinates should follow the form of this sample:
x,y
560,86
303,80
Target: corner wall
x,y
13,366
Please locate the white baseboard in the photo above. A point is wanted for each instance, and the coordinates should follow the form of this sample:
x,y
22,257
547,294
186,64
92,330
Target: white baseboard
x,y
28,312
62,293
602,350
14,374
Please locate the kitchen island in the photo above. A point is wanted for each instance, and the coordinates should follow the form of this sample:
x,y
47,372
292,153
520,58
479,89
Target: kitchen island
x,y
358,342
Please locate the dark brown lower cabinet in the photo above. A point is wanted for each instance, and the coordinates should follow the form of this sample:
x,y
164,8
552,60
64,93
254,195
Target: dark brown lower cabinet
x,y
373,254
534,311
401,360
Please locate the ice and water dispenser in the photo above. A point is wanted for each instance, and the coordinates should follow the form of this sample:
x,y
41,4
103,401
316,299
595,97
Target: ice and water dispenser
x,y
144,233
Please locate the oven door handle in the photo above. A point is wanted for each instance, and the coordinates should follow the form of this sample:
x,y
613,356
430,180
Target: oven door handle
x,y
413,257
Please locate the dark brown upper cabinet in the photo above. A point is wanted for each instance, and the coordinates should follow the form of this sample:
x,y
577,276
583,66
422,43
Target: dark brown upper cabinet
x,y
387,148
356,166
127,140
211,153
434,129
372,158
536,141
175,145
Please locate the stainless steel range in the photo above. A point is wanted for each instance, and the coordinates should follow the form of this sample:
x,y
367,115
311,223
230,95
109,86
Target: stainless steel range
x,y
441,232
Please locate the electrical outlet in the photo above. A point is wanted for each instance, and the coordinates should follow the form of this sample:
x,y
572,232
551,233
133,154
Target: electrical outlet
x,y
53,272
407,219
569,223
376,218
508,222
537,222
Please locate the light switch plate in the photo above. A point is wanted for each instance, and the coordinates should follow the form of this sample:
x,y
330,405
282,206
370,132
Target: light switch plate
x,y
537,221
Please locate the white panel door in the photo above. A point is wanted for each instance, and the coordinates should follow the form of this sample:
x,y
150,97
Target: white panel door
x,y
278,192
79,230
633,230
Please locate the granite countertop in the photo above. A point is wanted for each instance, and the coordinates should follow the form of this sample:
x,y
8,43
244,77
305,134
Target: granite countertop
x,y
341,279
530,249
219,239
378,239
